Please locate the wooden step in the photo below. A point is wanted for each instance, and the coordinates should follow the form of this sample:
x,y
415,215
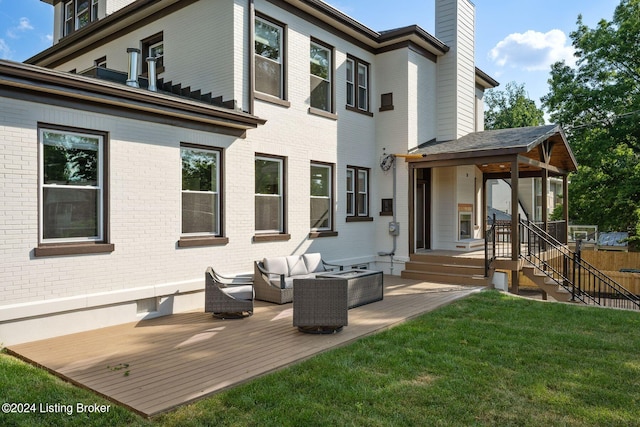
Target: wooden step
x,y
450,269
547,284
448,278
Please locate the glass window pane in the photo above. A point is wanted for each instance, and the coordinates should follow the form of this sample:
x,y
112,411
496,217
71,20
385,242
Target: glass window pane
x,y
350,204
362,75
267,176
362,98
320,62
268,76
362,204
268,40
199,170
70,159
320,181
199,213
70,212
320,212
320,94
362,181
268,213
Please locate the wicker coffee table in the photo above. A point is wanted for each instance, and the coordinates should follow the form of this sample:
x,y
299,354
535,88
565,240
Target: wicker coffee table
x,y
320,305
363,286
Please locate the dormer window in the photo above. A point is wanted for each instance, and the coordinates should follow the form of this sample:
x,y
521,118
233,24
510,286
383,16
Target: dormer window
x,y
79,13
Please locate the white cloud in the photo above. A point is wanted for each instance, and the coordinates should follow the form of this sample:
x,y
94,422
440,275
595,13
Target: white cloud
x,y
533,50
25,24
5,52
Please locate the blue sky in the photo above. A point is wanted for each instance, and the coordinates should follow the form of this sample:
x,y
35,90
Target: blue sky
x,y
515,40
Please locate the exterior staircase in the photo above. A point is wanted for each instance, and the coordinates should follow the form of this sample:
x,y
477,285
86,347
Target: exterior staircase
x,y
561,272
449,269
548,285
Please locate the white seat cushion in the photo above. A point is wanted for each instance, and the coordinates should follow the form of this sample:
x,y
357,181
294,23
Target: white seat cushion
x,y
243,292
313,262
276,265
296,265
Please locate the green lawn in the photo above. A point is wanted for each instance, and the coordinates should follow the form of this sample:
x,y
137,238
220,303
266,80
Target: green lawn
x,y
490,359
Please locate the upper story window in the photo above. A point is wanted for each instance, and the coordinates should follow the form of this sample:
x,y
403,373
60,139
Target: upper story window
x,y
321,77
79,13
357,85
153,47
200,190
72,186
269,54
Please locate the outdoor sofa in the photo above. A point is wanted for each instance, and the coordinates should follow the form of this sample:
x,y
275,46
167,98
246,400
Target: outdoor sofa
x,y
273,277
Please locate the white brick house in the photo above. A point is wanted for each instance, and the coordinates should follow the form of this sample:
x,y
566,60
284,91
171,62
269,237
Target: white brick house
x,y
153,187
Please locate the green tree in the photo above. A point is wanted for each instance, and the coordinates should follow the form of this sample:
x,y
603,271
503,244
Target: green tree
x,y
598,103
511,108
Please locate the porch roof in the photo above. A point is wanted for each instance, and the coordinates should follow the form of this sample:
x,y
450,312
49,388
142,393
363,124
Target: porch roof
x,y
535,148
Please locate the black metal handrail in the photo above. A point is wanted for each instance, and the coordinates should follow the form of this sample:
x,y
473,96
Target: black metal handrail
x,y
566,268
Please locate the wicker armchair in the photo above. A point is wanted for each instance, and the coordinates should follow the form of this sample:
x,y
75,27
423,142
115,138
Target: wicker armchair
x,y
320,306
228,297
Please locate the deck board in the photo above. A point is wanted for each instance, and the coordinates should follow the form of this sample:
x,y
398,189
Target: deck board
x,y
155,365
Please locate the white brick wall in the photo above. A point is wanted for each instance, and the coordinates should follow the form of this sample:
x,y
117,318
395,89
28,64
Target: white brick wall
x,y
145,167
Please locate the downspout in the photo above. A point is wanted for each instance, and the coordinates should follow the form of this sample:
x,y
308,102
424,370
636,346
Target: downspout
x,y
393,226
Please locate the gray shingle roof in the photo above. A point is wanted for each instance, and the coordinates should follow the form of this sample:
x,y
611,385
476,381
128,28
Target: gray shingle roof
x,y
515,138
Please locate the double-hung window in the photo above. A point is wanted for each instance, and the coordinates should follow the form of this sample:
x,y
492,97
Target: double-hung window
x,y
200,191
357,84
321,191
72,186
269,64
321,77
153,47
357,194
79,13
269,195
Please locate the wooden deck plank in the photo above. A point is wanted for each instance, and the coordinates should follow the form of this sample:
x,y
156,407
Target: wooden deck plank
x,y
155,365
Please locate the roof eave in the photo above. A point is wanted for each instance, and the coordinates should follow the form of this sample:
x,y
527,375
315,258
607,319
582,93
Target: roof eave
x,y
88,89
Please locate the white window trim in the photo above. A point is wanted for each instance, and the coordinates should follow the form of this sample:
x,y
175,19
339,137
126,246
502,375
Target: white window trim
x,y
363,210
280,60
351,83
351,208
355,209
329,74
218,230
99,187
329,197
280,195
365,87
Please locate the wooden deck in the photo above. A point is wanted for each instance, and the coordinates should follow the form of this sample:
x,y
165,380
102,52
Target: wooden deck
x,y
155,365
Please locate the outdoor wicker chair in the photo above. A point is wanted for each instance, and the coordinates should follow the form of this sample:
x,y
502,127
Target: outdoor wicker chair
x,y
228,297
320,306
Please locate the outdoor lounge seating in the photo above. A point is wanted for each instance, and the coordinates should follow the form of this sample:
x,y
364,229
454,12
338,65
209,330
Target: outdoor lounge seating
x,y
228,297
273,278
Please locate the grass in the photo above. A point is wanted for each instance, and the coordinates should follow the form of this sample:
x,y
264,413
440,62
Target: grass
x,y
490,359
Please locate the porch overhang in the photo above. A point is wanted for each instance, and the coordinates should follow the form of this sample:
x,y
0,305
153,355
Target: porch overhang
x,y
494,152
529,152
